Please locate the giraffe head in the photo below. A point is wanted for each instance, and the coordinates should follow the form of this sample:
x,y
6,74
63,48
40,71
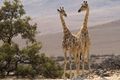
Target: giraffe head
x,y
83,7
62,11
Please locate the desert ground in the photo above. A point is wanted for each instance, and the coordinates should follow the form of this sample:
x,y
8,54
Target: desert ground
x,y
113,77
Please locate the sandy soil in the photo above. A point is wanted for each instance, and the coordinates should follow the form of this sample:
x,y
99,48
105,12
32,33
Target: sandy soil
x,y
113,77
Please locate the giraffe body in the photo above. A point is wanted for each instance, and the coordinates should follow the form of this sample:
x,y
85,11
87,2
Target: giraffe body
x,y
84,36
70,43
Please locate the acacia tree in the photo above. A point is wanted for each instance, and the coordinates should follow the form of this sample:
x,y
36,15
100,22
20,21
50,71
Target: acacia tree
x,y
14,22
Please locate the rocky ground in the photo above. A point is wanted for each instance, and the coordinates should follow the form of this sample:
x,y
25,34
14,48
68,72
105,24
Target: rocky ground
x,y
108,75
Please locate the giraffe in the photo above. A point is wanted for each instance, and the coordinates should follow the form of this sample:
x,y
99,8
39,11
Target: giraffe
x,y
70,43
84,36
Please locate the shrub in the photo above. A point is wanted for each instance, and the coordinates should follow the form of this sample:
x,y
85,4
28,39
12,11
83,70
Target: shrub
x,y
109,63
49,68
112,63
25,70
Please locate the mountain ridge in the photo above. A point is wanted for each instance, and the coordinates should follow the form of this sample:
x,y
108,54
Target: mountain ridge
x,y
104,39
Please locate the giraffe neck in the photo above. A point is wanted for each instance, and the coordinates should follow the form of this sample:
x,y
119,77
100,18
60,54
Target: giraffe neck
x,y
86,19
84,27
65,29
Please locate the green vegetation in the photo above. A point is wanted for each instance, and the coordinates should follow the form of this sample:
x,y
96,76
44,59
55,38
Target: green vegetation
x,y
13,22
25,71
25,62
49,68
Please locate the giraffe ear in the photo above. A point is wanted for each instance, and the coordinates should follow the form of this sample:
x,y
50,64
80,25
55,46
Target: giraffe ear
x,y
84,1
62,7
58,10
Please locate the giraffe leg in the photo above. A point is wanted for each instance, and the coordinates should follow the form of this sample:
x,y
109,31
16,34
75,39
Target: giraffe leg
x,y
78,63
87,60
89,64
83,63
75,61
65,62
70,61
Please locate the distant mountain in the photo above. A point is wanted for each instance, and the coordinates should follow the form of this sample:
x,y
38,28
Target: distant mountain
x,y
105,39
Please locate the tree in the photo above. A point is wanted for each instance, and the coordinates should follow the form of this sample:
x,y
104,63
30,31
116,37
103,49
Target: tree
x,y
26,61
14,22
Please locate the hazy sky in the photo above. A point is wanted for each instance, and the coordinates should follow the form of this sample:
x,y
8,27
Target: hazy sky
x,y
44,12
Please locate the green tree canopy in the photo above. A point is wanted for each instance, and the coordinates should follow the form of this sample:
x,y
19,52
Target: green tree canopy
x,y
13,22
26,61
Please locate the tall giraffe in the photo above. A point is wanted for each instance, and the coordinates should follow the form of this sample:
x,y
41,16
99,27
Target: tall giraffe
x,y
84,36
70,43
